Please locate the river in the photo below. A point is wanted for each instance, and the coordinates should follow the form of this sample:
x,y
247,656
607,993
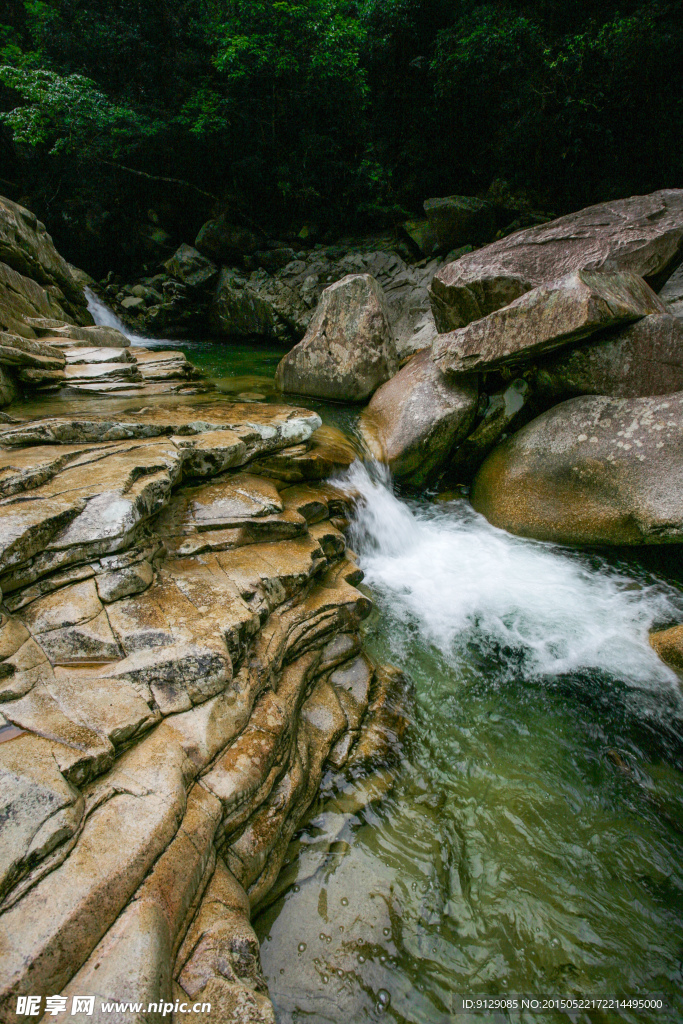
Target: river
x,y
530,839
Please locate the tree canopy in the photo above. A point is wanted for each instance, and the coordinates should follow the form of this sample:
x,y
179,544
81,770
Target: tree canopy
x,y
341,112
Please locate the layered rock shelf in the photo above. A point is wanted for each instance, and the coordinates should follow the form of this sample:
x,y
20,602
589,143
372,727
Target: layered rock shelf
x,y
181,662
180,657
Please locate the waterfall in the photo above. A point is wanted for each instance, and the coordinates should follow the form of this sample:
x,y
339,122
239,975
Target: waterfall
x,y
443,570
105,317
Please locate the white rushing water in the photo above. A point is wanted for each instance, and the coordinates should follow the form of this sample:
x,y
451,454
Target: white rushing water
x,y
447,572
105,317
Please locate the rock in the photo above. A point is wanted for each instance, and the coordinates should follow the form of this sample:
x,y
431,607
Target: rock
x,y
238,311
22,298
642,235
422,235
131,579
348,350
8,390
190,267
275,259
26,247
672,293
294,291
593,470
546,318
133,302
501,415
668,643
414,421
459,220
224,242
645,358
56,332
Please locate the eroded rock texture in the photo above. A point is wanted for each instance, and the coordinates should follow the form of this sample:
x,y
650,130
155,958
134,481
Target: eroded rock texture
x,y
180,662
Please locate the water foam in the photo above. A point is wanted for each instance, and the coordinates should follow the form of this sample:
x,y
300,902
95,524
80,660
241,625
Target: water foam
x,y
545,610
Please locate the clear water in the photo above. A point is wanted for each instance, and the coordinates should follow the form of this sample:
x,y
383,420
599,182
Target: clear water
x,y
533,838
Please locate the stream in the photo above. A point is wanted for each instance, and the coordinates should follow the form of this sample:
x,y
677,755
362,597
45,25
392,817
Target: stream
x,y
530,841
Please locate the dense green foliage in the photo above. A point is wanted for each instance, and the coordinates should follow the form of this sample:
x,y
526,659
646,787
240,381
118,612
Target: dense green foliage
x,y
342,112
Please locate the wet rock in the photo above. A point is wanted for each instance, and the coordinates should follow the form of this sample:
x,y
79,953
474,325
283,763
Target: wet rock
x,y
502,413
668,643
459,220
348,350
593,470
58,333
642,235
415,420
546,318
645,358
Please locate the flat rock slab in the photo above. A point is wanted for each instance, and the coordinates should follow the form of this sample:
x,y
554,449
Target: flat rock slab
x,y
544,319
642,235
593,470
76,354
267,426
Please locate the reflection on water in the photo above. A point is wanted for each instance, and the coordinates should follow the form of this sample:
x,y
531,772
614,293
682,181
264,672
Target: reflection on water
x,y
533,839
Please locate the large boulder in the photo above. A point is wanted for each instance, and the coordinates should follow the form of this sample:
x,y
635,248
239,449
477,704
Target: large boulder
x,y
546,318
414,421
457,220
26,247
294,292
348,350
593,470
645,358
643,235
223,242
238,311
189,266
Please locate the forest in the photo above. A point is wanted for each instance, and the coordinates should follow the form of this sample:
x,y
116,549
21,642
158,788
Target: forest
x,y
342,114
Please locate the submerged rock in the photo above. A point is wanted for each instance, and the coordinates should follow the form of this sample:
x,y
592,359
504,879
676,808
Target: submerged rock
x,y
416,419
348,350
642,235
546,318
593,470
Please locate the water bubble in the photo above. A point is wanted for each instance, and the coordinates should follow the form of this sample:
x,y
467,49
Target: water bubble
x,y
324,978
301,947
322,936
296,888
382,959
340,973
383,998
387,932
361,958
344,901
328,938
